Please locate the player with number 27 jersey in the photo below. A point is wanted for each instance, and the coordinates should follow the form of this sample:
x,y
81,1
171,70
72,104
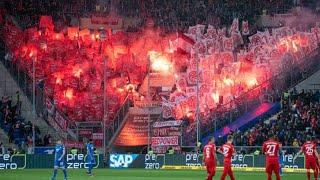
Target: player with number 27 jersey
x,y
271,150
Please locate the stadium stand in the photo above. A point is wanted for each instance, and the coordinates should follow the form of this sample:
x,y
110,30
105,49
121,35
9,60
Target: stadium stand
x,y
146,84
166,14
297,119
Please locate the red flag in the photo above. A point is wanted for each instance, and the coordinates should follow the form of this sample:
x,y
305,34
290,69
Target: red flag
x,y
227,44
211,32
185,43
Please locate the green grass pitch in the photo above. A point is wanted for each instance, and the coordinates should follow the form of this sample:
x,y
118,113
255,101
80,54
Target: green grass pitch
x,y
133,174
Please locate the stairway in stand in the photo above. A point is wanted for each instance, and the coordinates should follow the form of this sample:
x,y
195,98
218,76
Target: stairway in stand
x,y
9,87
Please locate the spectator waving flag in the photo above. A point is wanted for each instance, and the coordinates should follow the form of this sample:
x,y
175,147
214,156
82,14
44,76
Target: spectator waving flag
x,y
185,43
245,28
234,26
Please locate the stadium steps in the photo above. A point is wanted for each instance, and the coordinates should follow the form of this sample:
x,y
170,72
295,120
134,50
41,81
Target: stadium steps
x,y
313,83
118,122
9,87
117,131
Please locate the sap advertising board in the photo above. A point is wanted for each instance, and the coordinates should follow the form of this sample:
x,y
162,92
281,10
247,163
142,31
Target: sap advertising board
x,y
192,159
136,161
121,160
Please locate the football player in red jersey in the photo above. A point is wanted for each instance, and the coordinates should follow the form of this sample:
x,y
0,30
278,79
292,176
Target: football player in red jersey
x,y
271,149
310,153
228,151
210,158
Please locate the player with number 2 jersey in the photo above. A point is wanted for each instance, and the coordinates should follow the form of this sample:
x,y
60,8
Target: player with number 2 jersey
x,y
228,151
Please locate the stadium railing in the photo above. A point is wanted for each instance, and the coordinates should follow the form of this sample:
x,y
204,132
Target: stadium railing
x,y
239,149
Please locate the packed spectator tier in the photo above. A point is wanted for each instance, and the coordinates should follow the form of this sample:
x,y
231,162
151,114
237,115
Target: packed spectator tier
x,y
298,118
72,65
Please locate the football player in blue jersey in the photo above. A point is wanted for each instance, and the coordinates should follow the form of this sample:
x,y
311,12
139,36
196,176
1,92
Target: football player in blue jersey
x,y
90,157
60,151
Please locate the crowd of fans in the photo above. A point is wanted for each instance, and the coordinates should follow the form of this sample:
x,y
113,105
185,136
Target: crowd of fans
x,y
181,14
19,132
28,12
171,15
298,118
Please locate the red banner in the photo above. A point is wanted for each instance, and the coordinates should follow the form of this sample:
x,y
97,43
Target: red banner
x,y
97,136
135,131
164,149
166,124
167,131
85,132
70,144
104,20
165,141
